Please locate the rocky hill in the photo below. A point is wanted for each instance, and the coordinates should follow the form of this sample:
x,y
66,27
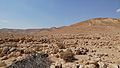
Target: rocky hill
x,y
93,25
93,43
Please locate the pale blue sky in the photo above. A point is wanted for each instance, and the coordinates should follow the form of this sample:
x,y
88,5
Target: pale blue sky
x,y
50,13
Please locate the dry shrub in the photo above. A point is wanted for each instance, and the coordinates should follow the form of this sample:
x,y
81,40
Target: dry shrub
x,y
67,55
36,60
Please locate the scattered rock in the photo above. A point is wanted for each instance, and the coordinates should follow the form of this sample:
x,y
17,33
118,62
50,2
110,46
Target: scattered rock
x,y
12,49
81,51
58,65
5,50
114,66
81,66
102,65
1,50
92,62
4,58
61,45
2,63
12,54
91,66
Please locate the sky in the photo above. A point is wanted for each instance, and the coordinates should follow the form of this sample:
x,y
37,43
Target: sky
x,y
26,14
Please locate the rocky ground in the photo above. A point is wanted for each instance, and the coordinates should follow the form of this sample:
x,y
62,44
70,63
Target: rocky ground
x,y
60,50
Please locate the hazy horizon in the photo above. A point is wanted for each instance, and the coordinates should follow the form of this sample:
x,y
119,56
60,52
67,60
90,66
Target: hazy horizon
x,y
34,14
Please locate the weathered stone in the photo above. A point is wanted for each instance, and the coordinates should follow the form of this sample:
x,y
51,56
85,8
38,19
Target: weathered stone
x,y
57,55
2,63
81,51
12,54
77,65
17,54
28,51
102,65
52,66
5,50
4,58
58,65
90,66
114,66
1,50
9,61
92,62
81,66
55,51
12,49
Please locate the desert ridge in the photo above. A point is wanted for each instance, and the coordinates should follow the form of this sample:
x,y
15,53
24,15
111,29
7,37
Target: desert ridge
x,y
93,43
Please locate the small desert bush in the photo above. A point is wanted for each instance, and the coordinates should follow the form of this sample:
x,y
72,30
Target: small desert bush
x,y
67,55
36,60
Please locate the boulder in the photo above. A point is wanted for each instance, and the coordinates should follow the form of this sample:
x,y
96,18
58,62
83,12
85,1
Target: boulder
x,y
102,65
5,50
114,66
90,66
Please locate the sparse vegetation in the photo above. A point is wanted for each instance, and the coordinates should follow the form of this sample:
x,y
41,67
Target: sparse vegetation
x,y
74,47
68,55
36,60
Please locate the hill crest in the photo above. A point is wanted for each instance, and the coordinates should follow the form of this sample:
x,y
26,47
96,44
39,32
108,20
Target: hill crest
x,y
99,21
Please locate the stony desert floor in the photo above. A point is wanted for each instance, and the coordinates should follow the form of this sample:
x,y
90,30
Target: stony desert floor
x,y
92,46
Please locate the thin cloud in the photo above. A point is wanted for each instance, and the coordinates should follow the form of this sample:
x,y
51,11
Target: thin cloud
x,y
118,10
3,21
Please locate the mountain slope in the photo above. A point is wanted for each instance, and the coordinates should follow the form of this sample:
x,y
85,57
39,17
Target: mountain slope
x,y
96,25
107,25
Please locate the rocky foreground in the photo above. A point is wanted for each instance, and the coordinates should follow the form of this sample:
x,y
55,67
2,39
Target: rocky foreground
x,y
55,48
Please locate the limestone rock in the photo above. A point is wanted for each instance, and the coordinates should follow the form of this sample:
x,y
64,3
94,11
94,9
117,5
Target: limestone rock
x,y
2,63
114,66
102,65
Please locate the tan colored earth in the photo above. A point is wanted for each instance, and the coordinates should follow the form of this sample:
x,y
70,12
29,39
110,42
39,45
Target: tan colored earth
x,y
93,43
